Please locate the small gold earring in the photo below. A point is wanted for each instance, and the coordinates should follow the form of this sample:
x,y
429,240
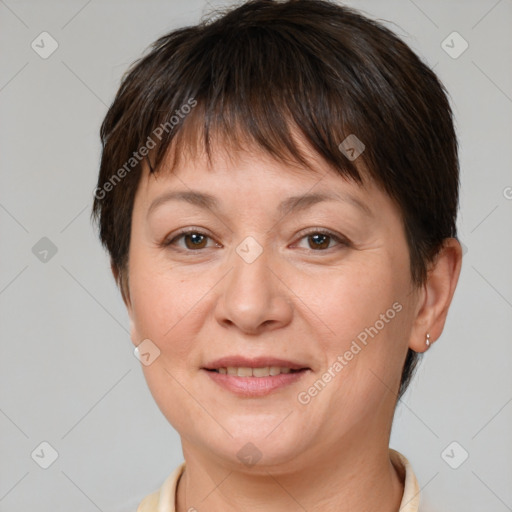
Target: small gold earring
x,y
428,340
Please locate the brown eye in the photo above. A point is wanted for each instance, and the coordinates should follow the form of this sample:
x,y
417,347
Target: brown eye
x,y
193,241
197,240
319,241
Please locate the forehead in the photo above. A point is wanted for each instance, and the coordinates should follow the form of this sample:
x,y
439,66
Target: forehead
x,y
253,182
238,158
251,170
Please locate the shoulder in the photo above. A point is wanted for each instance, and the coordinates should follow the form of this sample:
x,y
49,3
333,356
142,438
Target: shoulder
x,y
163,499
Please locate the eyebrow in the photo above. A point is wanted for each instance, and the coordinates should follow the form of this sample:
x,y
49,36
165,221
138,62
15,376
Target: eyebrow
x,y
288,205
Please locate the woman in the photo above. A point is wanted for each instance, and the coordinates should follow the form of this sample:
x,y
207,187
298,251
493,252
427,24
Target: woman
x,y
278,193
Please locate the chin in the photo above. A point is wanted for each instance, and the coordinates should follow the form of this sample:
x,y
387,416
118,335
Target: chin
x,y
256,450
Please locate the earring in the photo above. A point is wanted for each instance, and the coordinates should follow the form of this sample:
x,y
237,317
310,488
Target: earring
x,y
428,340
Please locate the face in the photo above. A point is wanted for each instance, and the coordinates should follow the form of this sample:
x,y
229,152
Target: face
x,y
318,285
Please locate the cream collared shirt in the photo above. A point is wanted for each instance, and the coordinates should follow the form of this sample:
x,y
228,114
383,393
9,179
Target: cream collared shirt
x,y
164,499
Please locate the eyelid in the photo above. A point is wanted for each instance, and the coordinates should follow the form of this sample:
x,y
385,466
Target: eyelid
x,y
341,239
170,240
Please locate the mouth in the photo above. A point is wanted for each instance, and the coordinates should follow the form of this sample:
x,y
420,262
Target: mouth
x,y
249,386
252,378
262,366
259,372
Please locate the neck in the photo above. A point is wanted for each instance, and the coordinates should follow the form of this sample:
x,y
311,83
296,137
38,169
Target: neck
x,y
353,480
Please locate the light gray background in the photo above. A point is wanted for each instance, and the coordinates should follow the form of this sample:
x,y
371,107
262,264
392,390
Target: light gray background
x,y
68,373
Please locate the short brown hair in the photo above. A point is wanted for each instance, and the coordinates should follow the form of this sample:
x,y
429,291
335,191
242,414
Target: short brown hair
x,y
264,68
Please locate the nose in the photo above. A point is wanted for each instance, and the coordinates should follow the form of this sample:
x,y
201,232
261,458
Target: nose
x,y
253,297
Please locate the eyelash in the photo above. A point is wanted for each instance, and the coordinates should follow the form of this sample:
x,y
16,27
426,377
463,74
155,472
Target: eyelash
x,y
333,236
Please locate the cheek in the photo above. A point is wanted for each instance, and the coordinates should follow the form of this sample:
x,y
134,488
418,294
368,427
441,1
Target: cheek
x,y
346,301
164,312
167,306
360,318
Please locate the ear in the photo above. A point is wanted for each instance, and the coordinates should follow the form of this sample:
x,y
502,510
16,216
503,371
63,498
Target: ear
x,y
436,295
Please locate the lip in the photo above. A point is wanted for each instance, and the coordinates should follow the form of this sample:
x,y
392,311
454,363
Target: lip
x,y
255,386
256,362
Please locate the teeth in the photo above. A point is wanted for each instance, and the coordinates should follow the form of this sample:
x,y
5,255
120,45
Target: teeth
x,y
245,371
261,372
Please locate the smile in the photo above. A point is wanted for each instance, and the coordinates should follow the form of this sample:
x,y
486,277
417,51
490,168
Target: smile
x,y
255,382
244,371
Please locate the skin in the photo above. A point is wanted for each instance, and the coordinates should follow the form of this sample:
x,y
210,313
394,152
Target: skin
x,y
295,301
